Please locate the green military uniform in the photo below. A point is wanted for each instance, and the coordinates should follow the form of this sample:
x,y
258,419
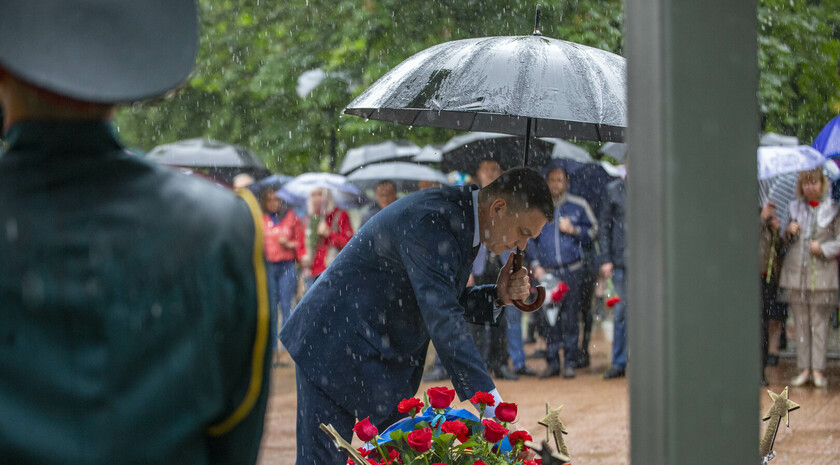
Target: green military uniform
x,y
133,314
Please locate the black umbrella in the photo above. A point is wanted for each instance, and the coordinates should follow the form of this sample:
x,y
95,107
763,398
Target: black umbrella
x,y
220,160
531,86
358,157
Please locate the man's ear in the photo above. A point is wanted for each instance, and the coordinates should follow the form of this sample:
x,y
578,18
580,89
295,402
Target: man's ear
x,y
498,206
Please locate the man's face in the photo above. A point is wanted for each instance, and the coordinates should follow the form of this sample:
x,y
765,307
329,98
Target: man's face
x,y
487,172
509,229
557,182
385,195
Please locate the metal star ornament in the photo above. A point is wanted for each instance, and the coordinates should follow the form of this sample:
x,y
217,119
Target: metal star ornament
x,y
779,410
558,429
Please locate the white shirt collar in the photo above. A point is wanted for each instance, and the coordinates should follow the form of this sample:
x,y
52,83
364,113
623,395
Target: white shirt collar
x,y
476,237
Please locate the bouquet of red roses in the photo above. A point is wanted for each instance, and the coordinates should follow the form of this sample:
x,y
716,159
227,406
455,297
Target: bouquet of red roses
x,y
441,435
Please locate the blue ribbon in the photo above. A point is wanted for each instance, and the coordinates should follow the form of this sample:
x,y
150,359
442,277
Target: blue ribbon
x,y
406,425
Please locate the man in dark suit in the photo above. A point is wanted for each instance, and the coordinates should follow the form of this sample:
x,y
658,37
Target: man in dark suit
x,y
360,335
134,315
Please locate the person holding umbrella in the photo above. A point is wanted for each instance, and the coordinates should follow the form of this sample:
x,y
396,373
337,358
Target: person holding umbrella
x,y
135,320
359,337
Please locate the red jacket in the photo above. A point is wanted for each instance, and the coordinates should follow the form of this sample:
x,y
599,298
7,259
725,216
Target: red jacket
x,y
290,228
340,235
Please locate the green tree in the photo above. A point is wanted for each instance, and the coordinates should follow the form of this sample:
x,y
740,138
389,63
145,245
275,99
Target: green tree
x,y
243,89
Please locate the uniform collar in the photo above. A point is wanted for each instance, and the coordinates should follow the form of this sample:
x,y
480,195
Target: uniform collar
x,y
64,138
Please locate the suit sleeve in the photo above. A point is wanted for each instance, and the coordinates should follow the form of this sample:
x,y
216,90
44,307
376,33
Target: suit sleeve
x,y
244,350
605,226
432,258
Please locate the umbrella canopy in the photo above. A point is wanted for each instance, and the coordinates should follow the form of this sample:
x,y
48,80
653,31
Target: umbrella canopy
x,y
429,154
616,150
346,195
464,153
772,138
404,175
568,150
375,153
776,160
205,153
828,140
498,84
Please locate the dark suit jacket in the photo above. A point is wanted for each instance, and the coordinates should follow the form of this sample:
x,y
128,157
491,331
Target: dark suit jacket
x,y
611,236
362,331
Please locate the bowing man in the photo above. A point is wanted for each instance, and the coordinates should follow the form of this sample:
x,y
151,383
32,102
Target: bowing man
x,y
360,335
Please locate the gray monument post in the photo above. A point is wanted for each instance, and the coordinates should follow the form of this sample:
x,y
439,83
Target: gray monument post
x,y
693,239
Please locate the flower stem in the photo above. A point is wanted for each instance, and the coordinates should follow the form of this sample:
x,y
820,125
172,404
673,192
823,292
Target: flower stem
x,y
772,257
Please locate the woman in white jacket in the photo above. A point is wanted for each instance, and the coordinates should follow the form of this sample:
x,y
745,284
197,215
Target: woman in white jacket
x,y
809,275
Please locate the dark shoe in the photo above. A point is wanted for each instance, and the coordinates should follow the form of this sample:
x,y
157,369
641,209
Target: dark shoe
x,y
525,371
435,374
549,373
538,353
614,373
503,372
583,358
568,372
772,360
764,382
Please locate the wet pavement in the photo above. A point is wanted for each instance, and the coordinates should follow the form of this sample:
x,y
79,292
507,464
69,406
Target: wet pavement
x,y
595,411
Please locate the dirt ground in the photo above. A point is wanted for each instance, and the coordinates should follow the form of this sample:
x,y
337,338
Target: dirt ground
x,y
596,412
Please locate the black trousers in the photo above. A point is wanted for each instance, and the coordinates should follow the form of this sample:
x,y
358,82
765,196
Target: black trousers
x,y
314,407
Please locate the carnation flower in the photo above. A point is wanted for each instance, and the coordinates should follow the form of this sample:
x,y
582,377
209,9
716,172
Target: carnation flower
x,y
520,435
457,428
559,292
440,397
612,301
410,406
483,398
365,430
814,203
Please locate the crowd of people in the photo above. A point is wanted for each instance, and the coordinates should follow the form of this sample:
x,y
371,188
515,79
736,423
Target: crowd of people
x,y
580,249
140,307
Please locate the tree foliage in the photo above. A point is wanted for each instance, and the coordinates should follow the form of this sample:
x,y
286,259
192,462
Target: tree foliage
x,y
252,53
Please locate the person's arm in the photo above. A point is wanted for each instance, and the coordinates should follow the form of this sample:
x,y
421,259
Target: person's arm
x,y
340,236
244,351
605,230
831,248
585,229
432,258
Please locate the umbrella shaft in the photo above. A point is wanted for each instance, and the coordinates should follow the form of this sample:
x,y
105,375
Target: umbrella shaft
x,y
527,140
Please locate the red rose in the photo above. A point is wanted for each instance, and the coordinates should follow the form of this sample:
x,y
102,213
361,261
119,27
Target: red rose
x,y
479,462
814,203
493,431
440,397
457,428
559,292
420,440
364,451
506,411
365,430
393,454
612,301
410,406
483,398
520,435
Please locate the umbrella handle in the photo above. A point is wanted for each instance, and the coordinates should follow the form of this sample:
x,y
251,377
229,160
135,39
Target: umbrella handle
x,y
537,302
